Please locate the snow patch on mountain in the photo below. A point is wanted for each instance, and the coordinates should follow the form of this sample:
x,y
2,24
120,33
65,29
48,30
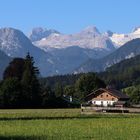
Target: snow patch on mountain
x,y
50,61
121,39
130,56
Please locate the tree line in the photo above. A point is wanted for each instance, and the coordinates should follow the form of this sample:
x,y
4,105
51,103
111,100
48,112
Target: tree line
x,y
22,87
124,76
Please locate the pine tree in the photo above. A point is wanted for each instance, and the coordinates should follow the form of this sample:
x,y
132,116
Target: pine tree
x,y
30,83
14,69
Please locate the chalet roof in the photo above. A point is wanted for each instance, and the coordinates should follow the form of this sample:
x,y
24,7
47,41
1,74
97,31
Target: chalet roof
x,y
112,92
117,93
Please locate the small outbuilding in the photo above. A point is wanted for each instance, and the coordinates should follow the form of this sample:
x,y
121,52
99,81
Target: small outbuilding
x,y
107,97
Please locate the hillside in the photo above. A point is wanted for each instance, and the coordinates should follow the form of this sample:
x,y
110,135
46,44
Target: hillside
x,y
128,50
123,74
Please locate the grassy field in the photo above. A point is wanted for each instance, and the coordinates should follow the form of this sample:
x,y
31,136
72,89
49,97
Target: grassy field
x,y
67,124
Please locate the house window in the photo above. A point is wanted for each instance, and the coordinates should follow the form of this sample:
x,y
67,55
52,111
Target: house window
x,y
112,99
101,96
106,95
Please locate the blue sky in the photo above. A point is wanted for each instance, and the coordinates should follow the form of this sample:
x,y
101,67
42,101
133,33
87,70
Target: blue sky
x,y
70,16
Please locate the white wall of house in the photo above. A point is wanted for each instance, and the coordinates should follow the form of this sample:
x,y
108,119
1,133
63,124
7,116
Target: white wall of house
x,y
102,102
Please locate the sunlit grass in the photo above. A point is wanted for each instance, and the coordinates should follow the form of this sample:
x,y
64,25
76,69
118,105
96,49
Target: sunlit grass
x,y
67,124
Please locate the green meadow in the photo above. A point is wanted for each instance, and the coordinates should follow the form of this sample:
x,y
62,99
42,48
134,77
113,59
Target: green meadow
x,y
67,124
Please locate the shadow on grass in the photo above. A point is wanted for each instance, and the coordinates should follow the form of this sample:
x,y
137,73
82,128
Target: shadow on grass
x,y
95,116
44,137
41,138
23,138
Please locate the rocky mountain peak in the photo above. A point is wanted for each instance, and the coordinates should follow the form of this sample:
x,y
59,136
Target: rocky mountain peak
x,y
12,41
108,33
10,32
91,30
136,30
38,33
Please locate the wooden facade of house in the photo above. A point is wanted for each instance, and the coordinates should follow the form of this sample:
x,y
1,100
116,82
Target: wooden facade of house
x,y
107,97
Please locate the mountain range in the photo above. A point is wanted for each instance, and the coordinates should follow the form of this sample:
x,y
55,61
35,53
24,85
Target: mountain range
x,y
89,38
15,44
128,50
57,53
